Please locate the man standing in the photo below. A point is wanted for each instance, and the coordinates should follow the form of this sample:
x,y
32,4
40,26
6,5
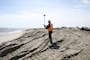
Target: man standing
x,y
50,28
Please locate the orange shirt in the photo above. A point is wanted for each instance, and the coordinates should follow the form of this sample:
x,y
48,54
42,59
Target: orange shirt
x,y
50,28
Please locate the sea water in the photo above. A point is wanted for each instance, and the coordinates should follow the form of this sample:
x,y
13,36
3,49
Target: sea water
x,y
7,31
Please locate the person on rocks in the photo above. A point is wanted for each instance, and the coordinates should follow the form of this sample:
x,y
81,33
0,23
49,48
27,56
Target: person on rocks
x,y
50,29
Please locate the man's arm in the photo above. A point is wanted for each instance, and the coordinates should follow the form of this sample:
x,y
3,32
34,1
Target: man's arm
x,y
47,26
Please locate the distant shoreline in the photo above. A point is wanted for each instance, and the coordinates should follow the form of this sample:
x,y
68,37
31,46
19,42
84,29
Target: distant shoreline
x,y
4,37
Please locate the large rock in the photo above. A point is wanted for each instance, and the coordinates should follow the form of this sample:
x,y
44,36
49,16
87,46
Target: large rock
x,y
85,28
74,44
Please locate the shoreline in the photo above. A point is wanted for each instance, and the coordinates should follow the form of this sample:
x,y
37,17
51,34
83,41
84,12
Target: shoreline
x,y
10,36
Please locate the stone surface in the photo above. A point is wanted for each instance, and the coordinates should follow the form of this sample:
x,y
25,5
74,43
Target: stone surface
x,y
73,44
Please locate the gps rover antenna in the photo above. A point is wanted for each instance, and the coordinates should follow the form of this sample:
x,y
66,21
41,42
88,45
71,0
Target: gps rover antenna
x,y
44,24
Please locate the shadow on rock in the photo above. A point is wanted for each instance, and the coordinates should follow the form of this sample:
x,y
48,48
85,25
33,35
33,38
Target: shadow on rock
x,y
54,46
7,51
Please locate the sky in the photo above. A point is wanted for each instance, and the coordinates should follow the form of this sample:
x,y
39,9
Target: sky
x,y
29,13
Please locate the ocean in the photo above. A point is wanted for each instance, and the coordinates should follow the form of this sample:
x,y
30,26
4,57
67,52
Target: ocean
x,y
6,31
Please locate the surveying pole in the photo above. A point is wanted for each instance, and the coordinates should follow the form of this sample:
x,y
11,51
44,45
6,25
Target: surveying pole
x,y
44,24
44,18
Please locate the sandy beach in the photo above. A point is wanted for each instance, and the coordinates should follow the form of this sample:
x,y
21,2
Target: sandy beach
x,y
10,36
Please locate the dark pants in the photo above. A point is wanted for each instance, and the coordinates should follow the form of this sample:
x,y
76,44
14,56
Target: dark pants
x,y
50,37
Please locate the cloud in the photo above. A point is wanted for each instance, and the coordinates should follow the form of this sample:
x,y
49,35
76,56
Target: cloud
x,y
23,16
59,17
24,19
86,1
61,13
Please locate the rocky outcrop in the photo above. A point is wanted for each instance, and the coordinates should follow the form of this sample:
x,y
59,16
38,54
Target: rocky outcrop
x,y
85,28
73,44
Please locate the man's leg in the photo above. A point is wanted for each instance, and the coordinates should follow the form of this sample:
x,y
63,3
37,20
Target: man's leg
x,y
50,37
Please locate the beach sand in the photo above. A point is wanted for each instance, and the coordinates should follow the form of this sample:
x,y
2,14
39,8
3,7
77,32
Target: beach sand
x,y
10,36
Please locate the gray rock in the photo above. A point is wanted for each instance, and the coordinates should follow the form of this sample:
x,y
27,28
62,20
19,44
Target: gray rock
x,y
74,44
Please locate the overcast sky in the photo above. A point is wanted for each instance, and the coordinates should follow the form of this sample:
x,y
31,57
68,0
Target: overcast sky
x,y
29,13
